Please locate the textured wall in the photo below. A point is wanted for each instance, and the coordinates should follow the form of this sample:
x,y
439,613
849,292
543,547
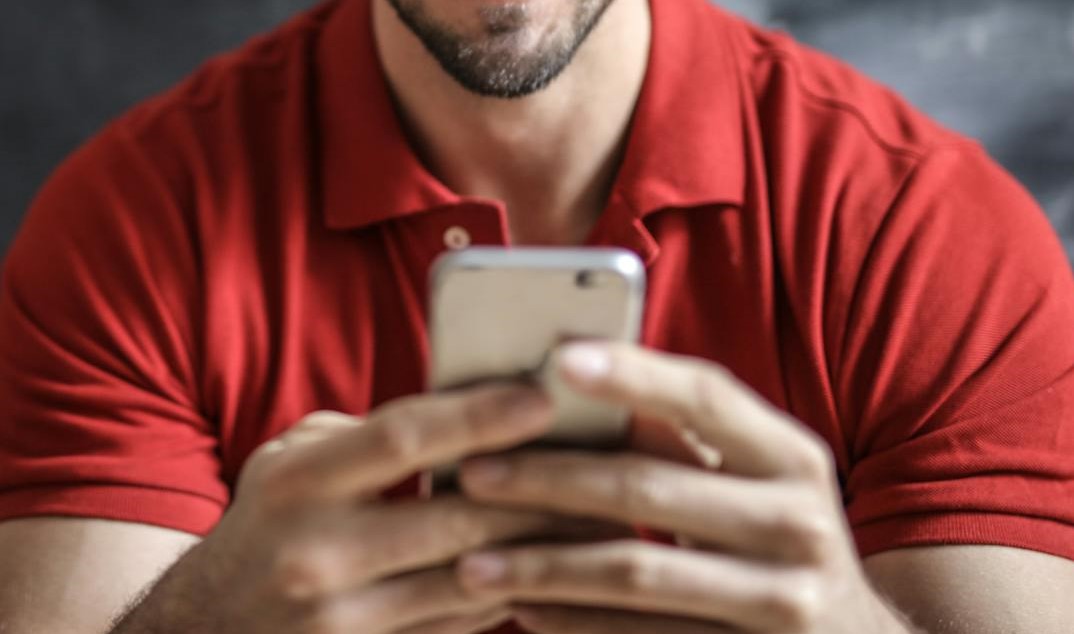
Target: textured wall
x,y
68,66
999,70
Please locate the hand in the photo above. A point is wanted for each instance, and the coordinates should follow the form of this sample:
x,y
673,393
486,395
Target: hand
x,y
307,547
766,546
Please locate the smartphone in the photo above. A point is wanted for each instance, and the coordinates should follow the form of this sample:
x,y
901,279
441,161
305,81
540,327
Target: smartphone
x,y
500,313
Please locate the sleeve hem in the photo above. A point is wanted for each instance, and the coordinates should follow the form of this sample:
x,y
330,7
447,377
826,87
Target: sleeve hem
x,y
966,529
176,510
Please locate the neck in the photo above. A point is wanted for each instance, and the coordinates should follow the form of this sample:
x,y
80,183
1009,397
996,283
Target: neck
x,y
551,157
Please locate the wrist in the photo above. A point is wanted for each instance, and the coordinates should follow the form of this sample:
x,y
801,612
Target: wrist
x,y
178,601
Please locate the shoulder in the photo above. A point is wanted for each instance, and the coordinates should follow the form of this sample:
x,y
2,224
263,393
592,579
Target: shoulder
x,y
175,160
843,159
261,72
878,216
845,148
233,118
153,180
786,79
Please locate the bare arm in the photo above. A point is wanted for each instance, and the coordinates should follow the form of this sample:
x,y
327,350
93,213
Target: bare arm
x,y
978,589
77,575
306,546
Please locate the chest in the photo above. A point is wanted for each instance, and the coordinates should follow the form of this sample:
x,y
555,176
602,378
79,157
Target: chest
x,y
338,321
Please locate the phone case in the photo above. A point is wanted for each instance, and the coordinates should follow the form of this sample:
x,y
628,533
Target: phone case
x,y
498,313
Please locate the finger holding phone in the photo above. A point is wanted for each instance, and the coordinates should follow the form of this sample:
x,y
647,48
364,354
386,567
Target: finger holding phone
x,y
763,542
308,546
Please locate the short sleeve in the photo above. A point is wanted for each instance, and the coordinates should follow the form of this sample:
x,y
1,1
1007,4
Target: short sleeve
x,y
957,373
98,352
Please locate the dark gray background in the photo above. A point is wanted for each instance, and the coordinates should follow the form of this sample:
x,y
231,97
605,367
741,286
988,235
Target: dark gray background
x,y
999,70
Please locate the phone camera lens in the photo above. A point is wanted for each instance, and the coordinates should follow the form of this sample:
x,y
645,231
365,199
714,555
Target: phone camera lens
x,y
585,279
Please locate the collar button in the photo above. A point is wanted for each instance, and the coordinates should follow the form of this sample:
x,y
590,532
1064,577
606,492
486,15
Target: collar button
x,y
457,238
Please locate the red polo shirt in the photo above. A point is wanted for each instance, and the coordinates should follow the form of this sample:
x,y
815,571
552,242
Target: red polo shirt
x,y
253,246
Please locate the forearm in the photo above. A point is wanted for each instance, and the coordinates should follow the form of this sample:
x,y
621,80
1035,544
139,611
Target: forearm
x,y
977,589
184,599
891,620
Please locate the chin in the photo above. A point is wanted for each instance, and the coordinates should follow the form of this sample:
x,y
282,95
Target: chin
x,y
502,48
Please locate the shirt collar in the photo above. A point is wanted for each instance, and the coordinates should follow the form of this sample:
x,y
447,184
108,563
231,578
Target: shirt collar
x,y
686,145
687,141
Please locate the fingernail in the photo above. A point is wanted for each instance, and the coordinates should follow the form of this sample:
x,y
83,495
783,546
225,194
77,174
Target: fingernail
x,y
486,472
586,361
483,569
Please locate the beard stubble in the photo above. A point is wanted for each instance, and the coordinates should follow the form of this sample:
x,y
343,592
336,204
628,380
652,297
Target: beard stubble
x,y
494,62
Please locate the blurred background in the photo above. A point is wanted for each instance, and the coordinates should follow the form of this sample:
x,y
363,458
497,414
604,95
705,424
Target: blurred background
x,y
1001,71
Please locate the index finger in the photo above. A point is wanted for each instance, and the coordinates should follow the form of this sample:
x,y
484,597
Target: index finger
x,y
415,434
751,436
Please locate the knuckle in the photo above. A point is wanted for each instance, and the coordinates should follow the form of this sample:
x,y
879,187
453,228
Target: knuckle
x,y
471,421
804,533
456,524
634,569
406,408
638,489
302,574
274,482
474,409
536,573
815,537
536,569
478,411
816,461
715,373
794,604
399,439
716,392
319,418
707,389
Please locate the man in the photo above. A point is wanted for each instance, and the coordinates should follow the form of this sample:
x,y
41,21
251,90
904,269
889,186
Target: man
x,y
252,247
